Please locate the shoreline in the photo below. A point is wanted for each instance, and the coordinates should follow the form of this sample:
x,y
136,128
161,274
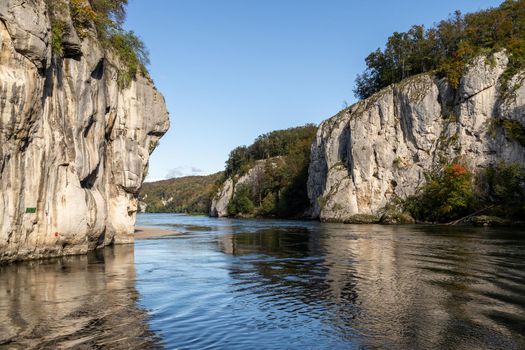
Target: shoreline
x,y
153,232
469,221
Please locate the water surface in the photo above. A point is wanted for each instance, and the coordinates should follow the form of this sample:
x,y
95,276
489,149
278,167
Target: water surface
x,y
78,302
269,284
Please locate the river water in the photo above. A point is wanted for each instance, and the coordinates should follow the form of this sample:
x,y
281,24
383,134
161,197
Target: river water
x,y
272,284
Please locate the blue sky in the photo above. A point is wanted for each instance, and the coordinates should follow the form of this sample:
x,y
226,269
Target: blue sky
x,y
231,70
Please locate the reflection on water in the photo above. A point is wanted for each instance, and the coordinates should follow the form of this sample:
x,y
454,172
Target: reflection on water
x,y
81,302
247,284
268,284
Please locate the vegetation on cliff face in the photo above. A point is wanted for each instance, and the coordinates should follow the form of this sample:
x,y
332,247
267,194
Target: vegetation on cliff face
x,y
241,203
273,144
190,194
447,47
57,31
454,192
514,130
281,188
447,194
504,187
105,18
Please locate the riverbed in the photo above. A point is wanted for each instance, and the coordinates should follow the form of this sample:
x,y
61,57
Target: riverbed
x,y
275,284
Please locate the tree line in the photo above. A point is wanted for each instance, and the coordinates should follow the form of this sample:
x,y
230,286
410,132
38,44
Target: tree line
x,y
447,47
105,19
280,189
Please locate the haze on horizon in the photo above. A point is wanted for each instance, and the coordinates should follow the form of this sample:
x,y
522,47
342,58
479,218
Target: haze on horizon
x,y
234,69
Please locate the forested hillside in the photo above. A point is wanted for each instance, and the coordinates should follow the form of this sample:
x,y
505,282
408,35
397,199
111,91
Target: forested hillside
x,y
277,188
190,194
270,176
292,141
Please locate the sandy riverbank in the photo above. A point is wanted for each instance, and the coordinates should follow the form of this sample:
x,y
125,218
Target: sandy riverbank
x,y
151,232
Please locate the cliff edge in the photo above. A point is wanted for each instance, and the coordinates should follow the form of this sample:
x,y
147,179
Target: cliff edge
x,y
75,142
379,149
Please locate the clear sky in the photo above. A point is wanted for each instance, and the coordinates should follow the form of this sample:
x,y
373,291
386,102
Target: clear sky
x,y
233,69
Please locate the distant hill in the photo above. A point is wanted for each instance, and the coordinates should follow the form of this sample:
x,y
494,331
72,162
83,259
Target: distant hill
x,y
266,178
269,177
189,194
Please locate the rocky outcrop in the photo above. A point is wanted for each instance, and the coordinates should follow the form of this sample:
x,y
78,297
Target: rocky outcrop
x,y
379,149
75,144
251,179
220,201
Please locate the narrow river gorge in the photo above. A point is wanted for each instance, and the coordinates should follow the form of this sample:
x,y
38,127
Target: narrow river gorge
x,y
266,284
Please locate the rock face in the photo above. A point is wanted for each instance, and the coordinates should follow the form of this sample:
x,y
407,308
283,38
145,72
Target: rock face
x,y
380,148
219,203
75,145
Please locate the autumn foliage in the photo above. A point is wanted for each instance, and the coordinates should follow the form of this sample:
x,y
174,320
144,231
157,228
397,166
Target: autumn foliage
x,y
448,47
447,195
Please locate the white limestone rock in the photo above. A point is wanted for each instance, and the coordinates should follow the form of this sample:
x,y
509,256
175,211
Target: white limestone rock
x,y
75,145
380,148
220,201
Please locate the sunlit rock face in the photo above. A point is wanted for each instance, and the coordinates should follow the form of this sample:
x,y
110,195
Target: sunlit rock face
x,y
380,148
220,201
75,145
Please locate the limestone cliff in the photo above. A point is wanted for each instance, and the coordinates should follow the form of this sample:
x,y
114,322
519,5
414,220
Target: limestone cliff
x,y
220,201
225,193
75,144
380,148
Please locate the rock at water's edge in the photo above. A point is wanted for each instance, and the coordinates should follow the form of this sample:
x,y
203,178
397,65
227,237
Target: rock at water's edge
x,y
75,145
378,150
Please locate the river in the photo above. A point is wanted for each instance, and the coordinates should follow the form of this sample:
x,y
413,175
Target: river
x,y
274,284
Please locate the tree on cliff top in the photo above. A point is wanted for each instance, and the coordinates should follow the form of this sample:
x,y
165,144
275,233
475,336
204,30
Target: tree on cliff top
x,y
106,17
447,47
273,144
281,188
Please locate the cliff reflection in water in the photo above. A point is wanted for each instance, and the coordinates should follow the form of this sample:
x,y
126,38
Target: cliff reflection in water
x,y
269,284
391,287
80,302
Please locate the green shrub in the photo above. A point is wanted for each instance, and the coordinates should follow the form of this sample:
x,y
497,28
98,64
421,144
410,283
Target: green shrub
x,y
132,53
361,219
82,16
57,26
505,188
107,17
57,31
514,131
110,16
241,202
268,205
447,195
516,51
